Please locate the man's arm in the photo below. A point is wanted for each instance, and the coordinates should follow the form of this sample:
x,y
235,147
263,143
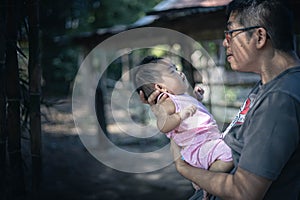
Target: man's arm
x,y
241,185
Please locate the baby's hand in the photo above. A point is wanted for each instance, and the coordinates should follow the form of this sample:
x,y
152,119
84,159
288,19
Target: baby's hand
x,y
199,92
187,112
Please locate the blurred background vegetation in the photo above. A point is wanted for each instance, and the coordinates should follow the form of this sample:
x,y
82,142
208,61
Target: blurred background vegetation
x,y
66,18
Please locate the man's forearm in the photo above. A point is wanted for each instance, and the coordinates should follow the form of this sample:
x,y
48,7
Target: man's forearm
x,y
209,181
241,185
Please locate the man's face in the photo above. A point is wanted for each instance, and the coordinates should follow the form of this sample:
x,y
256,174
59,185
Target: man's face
x,y
240,49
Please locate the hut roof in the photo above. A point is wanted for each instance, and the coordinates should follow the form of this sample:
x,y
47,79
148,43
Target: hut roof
x,y
200,19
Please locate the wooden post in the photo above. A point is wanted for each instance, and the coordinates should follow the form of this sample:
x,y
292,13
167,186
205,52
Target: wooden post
x,y
17,185
35,72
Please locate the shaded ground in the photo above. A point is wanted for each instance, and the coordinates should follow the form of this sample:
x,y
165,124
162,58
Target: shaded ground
x,y
71,172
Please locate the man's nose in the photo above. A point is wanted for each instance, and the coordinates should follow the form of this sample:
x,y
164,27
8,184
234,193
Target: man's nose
x,y
225,43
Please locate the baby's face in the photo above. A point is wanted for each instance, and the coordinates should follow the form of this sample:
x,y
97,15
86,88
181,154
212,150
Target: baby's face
x,y
173,81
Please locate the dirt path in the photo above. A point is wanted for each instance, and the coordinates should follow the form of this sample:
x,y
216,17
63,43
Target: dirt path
x,y
71,172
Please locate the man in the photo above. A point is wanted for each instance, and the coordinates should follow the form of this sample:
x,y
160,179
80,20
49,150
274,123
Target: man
x,y
264,143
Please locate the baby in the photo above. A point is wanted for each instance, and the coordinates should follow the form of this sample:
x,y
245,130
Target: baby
x,y
182,117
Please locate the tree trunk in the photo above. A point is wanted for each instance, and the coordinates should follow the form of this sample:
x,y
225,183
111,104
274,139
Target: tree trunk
x,y
3,135
35,92
17,185
100,110
188,70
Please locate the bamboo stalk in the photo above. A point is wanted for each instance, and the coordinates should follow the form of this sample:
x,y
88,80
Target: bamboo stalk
x,y
17,185
35,93
3,135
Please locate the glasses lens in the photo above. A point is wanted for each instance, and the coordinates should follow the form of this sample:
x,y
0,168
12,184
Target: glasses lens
x,y
228,34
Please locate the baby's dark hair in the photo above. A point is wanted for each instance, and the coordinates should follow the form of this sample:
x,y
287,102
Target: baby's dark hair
x,y
150,59
144,79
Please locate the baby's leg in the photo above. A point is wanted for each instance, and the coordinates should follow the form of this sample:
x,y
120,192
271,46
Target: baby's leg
x,y
221,166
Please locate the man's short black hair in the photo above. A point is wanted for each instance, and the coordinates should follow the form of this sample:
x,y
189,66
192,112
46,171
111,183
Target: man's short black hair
x,y
274,15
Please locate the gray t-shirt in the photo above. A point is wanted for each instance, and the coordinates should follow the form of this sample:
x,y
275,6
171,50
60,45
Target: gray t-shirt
x,y
265,138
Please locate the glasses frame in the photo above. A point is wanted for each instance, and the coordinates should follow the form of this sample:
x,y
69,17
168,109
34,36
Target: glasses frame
x,y
228,33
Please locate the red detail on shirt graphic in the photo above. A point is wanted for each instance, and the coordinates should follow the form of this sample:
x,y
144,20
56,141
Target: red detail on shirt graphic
x,y
246,107
243,112
240,117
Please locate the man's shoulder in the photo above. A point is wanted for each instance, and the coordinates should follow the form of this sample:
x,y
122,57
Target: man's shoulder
x,y
286,83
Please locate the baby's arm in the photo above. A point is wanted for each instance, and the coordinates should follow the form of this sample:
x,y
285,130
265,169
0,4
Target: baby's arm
x,y
167,118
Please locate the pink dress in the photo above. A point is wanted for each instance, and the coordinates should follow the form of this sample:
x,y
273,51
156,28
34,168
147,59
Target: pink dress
x,y
198,135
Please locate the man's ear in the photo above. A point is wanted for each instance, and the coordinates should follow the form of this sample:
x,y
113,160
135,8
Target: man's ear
x,y
262,37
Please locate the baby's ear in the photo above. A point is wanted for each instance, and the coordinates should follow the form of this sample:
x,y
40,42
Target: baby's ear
x,y
160,88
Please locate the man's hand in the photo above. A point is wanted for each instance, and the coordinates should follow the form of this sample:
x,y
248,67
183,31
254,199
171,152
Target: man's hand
x,y
175,150
153,97
142,97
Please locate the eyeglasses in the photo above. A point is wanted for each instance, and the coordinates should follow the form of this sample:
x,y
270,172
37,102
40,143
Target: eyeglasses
x,y
228,34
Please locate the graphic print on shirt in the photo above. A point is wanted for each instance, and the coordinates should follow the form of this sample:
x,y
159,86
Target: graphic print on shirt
x,y
240,117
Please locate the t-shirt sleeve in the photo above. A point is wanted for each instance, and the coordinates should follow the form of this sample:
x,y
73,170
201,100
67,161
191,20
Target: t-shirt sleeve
x,y
271,135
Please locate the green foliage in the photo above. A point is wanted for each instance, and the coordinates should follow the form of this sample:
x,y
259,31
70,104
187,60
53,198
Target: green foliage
x,y
73,16
70,17
230,94
113,12
65,62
